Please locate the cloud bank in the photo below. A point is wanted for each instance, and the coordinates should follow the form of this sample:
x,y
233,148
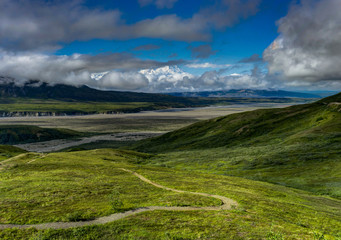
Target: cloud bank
x,y
124,73
309,45
173,79
121,69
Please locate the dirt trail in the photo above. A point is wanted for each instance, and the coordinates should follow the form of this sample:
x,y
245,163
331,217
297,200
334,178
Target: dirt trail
x,y
226,204
11,159
19,156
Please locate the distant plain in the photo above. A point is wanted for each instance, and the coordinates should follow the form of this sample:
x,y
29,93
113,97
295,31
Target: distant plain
x,y
147,121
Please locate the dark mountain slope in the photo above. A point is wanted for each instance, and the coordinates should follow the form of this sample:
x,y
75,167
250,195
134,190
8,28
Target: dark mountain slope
x,y
83,93
14,134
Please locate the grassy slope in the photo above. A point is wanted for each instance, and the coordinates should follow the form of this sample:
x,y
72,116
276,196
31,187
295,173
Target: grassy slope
x,y
297,146
78,185
14,134
9,151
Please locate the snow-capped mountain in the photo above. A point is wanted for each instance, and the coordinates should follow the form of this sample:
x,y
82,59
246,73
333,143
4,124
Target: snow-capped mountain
x,y
165,74
97,76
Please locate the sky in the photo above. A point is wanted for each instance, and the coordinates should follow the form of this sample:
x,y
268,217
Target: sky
x,y
173,45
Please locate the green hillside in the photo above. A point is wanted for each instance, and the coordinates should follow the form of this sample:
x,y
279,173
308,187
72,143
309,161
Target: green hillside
x,y
69,187
286,125
15,134
298,146
7,151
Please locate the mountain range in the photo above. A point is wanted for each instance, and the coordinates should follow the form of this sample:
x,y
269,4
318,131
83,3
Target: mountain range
x,y
248,93
41,90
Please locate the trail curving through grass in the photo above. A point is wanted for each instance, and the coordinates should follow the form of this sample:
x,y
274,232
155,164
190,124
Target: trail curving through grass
x,y
11,159
227,204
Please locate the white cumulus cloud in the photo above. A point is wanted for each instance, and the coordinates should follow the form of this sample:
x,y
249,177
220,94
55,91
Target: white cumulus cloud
x,y
173,79
309,45
123,81
207,65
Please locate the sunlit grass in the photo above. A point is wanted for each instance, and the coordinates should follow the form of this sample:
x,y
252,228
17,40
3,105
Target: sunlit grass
x,y
82,185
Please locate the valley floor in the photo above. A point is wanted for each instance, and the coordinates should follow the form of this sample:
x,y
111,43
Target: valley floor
x,y
59,144
160,121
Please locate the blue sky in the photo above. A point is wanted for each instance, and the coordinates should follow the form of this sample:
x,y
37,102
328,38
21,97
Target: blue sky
x,y
250,36
173,45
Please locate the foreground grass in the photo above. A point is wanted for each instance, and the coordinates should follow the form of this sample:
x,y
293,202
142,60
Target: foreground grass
x,y
83,185
78,186
314,167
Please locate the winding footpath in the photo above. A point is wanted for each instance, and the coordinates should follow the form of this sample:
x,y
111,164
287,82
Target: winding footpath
x,y
2,166
10,159
227,204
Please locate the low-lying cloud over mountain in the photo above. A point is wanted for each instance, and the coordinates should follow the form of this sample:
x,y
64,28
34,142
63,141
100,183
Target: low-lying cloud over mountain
x,y
77,69
167,79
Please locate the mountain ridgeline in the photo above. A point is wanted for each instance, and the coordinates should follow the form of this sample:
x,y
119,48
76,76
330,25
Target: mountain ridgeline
x,y
38,90
35,98
41,90
247,93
